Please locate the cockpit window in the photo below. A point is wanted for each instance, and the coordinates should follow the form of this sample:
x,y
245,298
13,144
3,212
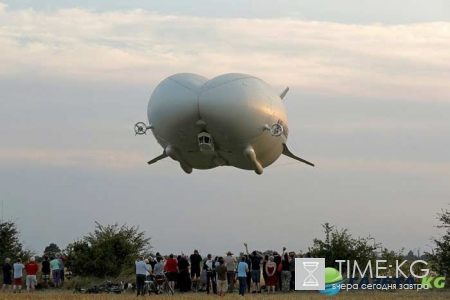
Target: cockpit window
x,y
205,141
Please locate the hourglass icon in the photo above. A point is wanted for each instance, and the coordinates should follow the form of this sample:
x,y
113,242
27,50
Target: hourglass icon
x,y
310,267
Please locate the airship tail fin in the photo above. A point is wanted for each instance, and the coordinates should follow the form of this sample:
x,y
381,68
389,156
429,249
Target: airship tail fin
x,y
286,90
162,156
288,153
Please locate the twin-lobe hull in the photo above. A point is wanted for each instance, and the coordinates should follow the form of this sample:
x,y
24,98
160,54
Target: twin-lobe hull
x,y
205,123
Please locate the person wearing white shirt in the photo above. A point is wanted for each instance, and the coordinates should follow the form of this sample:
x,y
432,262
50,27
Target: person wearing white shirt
x,y
141,271
18,273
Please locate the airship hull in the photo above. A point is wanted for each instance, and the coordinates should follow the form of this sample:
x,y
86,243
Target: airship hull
x,y
225,121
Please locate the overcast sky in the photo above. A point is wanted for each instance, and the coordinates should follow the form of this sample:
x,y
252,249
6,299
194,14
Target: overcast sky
x,y
369,105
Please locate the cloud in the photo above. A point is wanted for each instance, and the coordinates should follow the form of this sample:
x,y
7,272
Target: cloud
x,y
142,47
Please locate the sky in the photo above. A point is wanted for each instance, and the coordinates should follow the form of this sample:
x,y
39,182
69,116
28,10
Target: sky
x,y
368,104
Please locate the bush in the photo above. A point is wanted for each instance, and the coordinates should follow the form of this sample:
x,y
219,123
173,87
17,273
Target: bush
x,y
340,245
441,257
10,245
107,251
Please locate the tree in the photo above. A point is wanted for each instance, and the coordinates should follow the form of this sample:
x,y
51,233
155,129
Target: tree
x,y
441,257
411,256
51,250
391,257
10,245
107,251
340,245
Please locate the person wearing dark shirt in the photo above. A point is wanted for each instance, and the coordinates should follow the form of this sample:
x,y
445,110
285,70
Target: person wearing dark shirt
x,y
7,278
183,277
255,258
264,272
152,262
45,270
285,272
159,255
195,259
249,273
222,282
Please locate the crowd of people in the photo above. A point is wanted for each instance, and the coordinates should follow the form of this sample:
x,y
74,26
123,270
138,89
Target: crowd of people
x,y
13,273
220,275
253,272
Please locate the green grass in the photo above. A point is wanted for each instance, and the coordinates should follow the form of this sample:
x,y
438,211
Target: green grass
x,y
66,294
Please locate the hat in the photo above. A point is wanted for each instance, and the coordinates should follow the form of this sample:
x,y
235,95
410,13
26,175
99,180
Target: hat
x,y
230,253
146,261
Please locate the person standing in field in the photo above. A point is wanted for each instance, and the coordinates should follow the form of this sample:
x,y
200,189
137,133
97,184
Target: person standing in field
x,y
56,271
242,269
45,270
230,263
196,260
271,271
7,278
149,270
277,260
18,270
152,262
266,259
249,273
31,268
62,261
222,283
255,258
141,271
286,272
171,268
183,277
209,267
158,270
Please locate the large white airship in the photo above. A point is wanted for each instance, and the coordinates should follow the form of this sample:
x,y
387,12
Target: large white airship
x,y
231,120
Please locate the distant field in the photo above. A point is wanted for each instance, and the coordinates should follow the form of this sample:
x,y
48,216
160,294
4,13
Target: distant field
x,y
442,294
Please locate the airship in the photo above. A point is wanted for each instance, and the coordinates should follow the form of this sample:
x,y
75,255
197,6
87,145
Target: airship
x,y
235,120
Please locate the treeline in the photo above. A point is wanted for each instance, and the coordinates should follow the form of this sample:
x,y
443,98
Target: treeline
x,y
110,250
105,252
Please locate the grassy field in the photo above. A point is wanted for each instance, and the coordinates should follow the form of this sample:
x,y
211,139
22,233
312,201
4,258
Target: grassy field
x,y
426,294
